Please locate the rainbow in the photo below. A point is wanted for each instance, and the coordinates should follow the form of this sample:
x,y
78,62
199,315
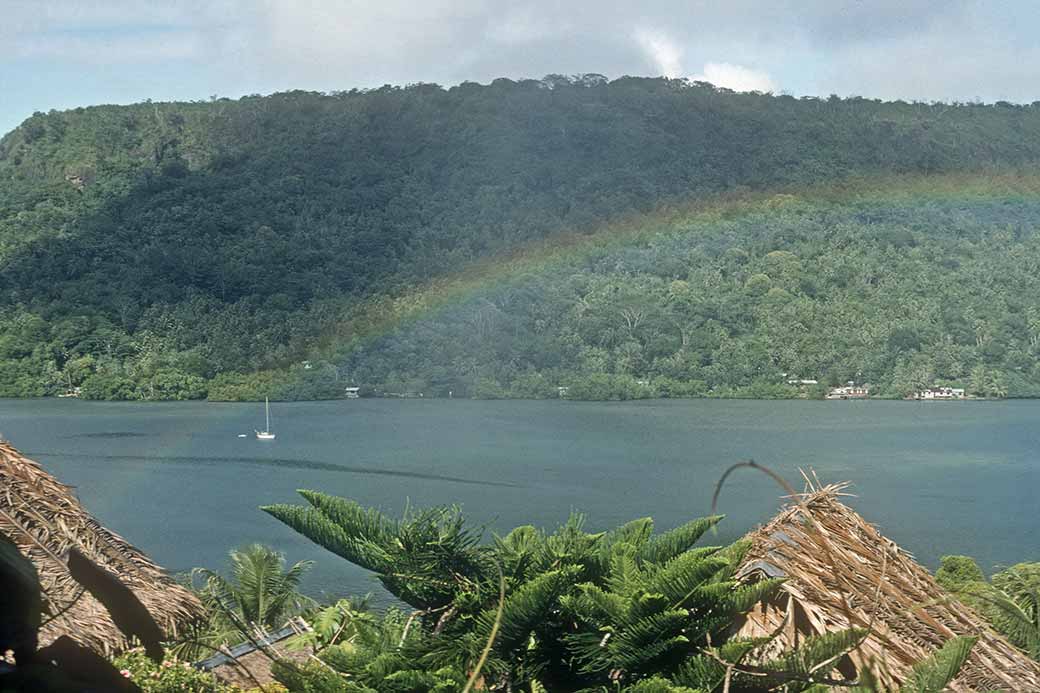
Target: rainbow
x,y
375,318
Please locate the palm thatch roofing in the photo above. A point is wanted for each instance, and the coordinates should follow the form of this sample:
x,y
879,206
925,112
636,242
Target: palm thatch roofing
x,y
841,571
44,519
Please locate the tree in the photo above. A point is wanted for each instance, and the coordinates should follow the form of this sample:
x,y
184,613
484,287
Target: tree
x,y
912,375
957,571
758,284
260,592
629,610
556,589
985,382
1012,602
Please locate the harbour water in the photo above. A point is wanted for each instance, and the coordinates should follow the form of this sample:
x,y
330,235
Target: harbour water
x,y
178,481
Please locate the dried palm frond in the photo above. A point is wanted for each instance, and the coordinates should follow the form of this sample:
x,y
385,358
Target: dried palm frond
x,y
840,573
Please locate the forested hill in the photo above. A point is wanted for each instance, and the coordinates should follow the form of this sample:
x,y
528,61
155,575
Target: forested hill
x,y
168,250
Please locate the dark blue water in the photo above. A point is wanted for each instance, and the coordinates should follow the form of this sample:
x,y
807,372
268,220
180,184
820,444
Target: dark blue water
x,y
174,478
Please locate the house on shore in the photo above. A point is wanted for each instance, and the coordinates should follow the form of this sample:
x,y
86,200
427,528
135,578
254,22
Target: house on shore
x,y
839,571
939,393
352,392
849,390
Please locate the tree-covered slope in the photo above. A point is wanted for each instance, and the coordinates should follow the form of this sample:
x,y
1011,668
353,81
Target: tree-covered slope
x,y
146,250
905,290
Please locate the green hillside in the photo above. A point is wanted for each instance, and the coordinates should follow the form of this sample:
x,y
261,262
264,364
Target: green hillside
x,y
905,288
501,240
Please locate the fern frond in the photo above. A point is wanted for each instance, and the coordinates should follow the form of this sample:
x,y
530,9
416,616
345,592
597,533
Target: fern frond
x,y
737,649
518,552
330,536
931,675
735,554
700,672
625,575
647,638
818,654
525,609
681,576
1012,604
569,545
657,685
593,602
645,658
742,598
355,520
667,546
636,533
707,673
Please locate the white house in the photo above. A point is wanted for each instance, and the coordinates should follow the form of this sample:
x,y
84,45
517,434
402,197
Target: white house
x,y
849,391
941,393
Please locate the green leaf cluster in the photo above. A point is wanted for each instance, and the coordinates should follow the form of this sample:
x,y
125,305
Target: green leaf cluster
x,y
1010,600
629,609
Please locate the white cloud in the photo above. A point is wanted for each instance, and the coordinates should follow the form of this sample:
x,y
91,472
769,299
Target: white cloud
x,y
666,56
662,51
735,77
888,48
365,38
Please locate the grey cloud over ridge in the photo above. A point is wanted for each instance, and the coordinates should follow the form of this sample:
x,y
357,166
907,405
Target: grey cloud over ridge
x,y
953,50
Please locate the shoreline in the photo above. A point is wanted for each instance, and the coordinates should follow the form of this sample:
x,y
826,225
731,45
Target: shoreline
x,y
537,399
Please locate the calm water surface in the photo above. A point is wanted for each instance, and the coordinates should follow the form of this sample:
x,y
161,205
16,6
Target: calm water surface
x,y
175,479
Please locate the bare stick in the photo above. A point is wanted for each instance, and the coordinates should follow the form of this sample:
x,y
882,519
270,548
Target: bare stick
x,y
494,631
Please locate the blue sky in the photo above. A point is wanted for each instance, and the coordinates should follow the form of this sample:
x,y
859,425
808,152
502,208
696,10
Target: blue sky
x,y
62,54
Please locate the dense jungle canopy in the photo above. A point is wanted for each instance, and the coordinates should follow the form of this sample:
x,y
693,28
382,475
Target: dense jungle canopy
x,y
623,238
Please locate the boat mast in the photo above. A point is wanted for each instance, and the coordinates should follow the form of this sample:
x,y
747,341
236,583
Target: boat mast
x,y
267,410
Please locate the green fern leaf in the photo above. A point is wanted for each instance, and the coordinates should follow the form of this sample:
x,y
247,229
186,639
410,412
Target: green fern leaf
x,y
931,675
667,546
657,685
681,576
818,653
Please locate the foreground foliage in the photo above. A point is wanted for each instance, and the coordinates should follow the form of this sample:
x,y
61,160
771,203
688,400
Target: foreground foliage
x,y
167,676
1010,600
259,595
628,609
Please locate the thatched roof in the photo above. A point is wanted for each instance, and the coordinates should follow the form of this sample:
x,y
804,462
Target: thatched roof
x,y
841,571
44,519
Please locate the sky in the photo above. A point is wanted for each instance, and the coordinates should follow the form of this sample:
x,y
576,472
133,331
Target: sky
x,y
64,53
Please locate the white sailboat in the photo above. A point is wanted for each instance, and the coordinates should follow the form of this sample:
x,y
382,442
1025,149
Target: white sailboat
x,y
266,433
